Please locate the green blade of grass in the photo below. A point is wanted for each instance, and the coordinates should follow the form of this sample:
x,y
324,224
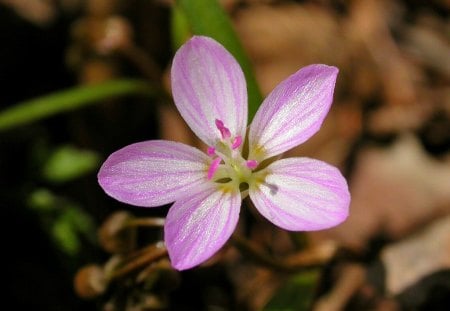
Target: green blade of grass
x,y
67,100
180,30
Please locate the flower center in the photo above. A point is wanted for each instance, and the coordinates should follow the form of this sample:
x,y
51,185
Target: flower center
x,y
228,164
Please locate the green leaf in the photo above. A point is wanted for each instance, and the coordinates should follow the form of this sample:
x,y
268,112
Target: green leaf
x,y
82,222
206,17
42,200
68,162
68,226
65,236
180,30
67,100
296,294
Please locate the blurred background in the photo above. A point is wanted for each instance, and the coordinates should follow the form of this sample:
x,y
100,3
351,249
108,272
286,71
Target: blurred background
x,y
80,79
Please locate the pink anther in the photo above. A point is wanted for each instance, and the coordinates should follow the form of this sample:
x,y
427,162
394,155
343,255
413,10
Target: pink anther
x,y
211,151
213,167
224,131
237,142
252,164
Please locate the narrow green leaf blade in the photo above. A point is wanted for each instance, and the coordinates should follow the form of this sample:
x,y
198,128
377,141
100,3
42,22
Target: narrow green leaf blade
x,y
180,30
206,17
67,100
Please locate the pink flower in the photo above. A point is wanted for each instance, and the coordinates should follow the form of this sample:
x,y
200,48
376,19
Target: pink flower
x,y
209,89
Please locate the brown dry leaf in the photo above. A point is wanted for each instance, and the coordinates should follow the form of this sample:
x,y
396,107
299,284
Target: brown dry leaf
x,y
281,39
396,118
369,24
410,260
255,285
429,47
351,279
393,190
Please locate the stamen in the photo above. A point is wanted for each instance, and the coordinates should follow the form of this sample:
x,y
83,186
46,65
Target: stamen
x,y
252,164
211,151
224,131
219,124
213,167
237,142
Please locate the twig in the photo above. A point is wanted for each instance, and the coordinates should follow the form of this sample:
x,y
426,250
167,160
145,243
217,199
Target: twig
x,y
139,259
146,222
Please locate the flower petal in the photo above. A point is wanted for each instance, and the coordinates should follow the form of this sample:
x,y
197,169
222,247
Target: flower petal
x,y
293,111
153,173
198,226
302,194
208,84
